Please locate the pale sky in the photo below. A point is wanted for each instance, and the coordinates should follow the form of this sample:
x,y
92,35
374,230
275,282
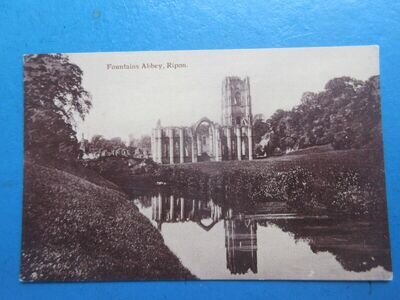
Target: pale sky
x,y
130,101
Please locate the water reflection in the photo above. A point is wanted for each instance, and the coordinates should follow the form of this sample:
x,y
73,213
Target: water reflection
x,y
289,246
240,233
241,245
174,209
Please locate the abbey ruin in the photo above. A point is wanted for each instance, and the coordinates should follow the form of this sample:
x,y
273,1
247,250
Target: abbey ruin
x,y
232,139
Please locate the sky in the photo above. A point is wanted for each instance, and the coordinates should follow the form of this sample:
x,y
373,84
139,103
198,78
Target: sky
x,y
130,101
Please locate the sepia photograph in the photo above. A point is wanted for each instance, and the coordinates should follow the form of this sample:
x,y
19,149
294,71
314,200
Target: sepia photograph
x,y
253,164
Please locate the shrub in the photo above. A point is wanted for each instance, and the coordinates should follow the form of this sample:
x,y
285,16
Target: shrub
x,y
352,196
298,188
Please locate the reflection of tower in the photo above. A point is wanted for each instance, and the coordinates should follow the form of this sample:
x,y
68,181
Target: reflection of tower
x,y
240,232
241,245
236,102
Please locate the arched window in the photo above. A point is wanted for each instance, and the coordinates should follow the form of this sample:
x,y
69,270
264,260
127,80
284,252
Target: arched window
x,y
237,98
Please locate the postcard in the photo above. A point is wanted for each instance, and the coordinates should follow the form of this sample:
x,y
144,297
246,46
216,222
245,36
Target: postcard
x,y
207,164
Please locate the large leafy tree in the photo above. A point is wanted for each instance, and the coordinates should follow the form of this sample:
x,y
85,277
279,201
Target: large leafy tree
x,y
54,100
346,115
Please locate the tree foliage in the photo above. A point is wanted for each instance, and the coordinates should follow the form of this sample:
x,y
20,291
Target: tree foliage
x,y
98,144
101,146
54,99
346,115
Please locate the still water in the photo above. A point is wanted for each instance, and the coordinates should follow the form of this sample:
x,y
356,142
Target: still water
x,y
267,241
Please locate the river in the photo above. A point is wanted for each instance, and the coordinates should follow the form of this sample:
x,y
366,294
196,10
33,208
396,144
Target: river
x,y
267,241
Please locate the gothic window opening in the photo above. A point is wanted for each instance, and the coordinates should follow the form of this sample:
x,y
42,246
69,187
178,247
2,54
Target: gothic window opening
x,y
237,98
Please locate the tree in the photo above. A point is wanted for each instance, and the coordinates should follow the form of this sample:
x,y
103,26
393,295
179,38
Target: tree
x,y
346,114
145,142
343,86
54,98
116,143
97,144
260,127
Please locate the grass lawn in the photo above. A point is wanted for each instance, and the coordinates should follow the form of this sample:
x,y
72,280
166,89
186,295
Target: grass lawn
x,y
74,230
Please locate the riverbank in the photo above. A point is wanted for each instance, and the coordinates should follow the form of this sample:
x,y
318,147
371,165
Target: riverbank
x,y
87,229
319,180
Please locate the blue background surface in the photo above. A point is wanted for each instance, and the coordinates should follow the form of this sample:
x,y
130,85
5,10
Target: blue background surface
x,y
126,25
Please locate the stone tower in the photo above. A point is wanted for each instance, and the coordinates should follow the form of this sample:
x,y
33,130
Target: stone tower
x,y
206,140
236,102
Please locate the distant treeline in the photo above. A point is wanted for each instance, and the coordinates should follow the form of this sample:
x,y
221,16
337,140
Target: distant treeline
x,y
100,146
346,115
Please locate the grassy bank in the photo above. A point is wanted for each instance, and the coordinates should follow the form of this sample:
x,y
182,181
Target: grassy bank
x,y
74,229
317,180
